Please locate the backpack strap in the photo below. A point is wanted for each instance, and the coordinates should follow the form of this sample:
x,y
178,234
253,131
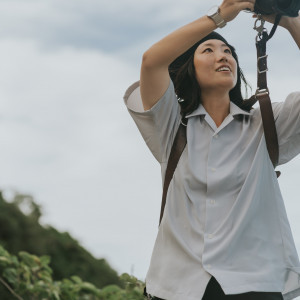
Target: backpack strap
x,y
176,151
262,95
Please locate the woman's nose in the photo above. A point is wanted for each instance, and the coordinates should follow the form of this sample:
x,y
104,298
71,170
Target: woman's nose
x,y
222,58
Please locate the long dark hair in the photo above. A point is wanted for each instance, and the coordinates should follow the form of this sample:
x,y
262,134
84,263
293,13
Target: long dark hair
x,y
182,73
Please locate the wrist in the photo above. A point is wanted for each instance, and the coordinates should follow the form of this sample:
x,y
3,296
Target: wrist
x,y
222,13
214,14
291,24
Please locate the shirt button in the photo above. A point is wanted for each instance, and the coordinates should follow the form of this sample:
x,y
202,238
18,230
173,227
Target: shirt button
x,y
216,136
210,236
208,266
213,169
212,201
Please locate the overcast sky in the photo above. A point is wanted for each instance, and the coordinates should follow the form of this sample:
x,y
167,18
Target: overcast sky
x,y
65,135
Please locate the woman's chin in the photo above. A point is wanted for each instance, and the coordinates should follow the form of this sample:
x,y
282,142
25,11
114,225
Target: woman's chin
x,y
226,84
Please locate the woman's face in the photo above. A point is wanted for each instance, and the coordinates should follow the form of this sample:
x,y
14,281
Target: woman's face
x,y
215,67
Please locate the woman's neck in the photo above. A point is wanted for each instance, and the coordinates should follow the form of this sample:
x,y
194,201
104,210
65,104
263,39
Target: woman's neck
x,y
217,106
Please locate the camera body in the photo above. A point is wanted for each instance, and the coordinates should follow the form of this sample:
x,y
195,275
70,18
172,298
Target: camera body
x,y
284,7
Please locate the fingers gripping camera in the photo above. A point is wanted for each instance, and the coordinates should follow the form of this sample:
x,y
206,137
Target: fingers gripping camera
x,y
283,7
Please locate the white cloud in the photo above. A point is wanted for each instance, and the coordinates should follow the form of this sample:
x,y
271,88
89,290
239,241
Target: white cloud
x,y
66,134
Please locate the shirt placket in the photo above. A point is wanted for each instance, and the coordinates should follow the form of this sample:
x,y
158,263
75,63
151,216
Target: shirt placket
x,y
212,213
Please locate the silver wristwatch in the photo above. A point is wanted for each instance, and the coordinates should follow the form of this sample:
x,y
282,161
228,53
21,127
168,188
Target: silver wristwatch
x,y
214,14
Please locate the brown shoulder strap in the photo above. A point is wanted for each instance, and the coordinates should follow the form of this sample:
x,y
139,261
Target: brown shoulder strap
x,y
269,127
262,94
176,151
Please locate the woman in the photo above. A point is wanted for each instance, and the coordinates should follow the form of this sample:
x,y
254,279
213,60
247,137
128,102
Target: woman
x,y
224,232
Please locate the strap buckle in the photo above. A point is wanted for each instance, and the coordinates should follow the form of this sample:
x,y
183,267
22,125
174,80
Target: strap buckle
x,y
183,123
258,70
261,27
262,92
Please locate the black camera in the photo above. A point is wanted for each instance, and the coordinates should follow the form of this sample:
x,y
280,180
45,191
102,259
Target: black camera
x,y
284,7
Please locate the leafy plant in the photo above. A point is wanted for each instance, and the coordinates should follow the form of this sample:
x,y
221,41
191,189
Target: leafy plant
x,y
20,230
29,277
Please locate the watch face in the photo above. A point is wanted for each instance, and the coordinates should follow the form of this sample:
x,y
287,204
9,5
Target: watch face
x,y
213,10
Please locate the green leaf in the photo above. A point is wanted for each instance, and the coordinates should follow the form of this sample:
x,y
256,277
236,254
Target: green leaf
x,y
45,276
55,294
11,275
89,287
76,279
4,261
14,260
45,260
29,259
111,289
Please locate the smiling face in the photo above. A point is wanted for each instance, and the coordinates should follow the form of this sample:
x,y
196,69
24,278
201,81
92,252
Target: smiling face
x,y
215,67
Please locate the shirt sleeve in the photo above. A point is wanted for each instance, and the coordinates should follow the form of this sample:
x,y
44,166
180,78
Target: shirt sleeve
x,y
158,125
287,119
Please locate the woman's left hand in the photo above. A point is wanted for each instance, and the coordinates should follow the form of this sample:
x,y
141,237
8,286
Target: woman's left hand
x,y
285,21
292,24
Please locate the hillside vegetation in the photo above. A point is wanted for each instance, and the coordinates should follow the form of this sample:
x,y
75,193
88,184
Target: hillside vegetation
x,y
38,262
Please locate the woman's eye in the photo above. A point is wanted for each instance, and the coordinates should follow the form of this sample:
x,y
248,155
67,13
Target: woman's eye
x,y
207,50
228,51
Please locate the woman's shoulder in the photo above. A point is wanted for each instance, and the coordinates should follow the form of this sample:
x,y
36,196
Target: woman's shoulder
x,y
292,101
290,105
133,101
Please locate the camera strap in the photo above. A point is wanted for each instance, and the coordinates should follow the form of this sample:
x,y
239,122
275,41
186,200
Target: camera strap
x,y
262,93
276,23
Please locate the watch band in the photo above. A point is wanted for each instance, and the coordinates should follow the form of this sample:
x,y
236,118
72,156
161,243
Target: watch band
x,y
214,14
220,22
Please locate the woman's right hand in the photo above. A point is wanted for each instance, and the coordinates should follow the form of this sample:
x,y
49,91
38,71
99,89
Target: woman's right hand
x,y
229,9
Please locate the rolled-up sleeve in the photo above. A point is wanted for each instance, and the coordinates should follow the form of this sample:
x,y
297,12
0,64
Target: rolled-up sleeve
x,y
287,116
158,125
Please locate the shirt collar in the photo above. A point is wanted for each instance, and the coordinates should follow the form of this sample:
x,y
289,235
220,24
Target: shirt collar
x,y
234,110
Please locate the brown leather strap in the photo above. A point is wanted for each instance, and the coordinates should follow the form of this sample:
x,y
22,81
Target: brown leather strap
x,y
269,127
176,151
262,95
262,67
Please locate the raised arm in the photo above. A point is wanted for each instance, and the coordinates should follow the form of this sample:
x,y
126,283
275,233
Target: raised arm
x,y
293,26
154,79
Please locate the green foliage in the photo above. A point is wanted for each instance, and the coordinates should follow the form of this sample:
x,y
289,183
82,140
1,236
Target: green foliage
x,y
20,230
133,290
49,275
29,277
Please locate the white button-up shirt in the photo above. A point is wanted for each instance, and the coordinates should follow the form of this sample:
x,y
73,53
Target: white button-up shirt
x,y
224,215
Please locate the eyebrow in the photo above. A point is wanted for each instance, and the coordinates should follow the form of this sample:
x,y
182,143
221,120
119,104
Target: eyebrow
x,y
211,45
